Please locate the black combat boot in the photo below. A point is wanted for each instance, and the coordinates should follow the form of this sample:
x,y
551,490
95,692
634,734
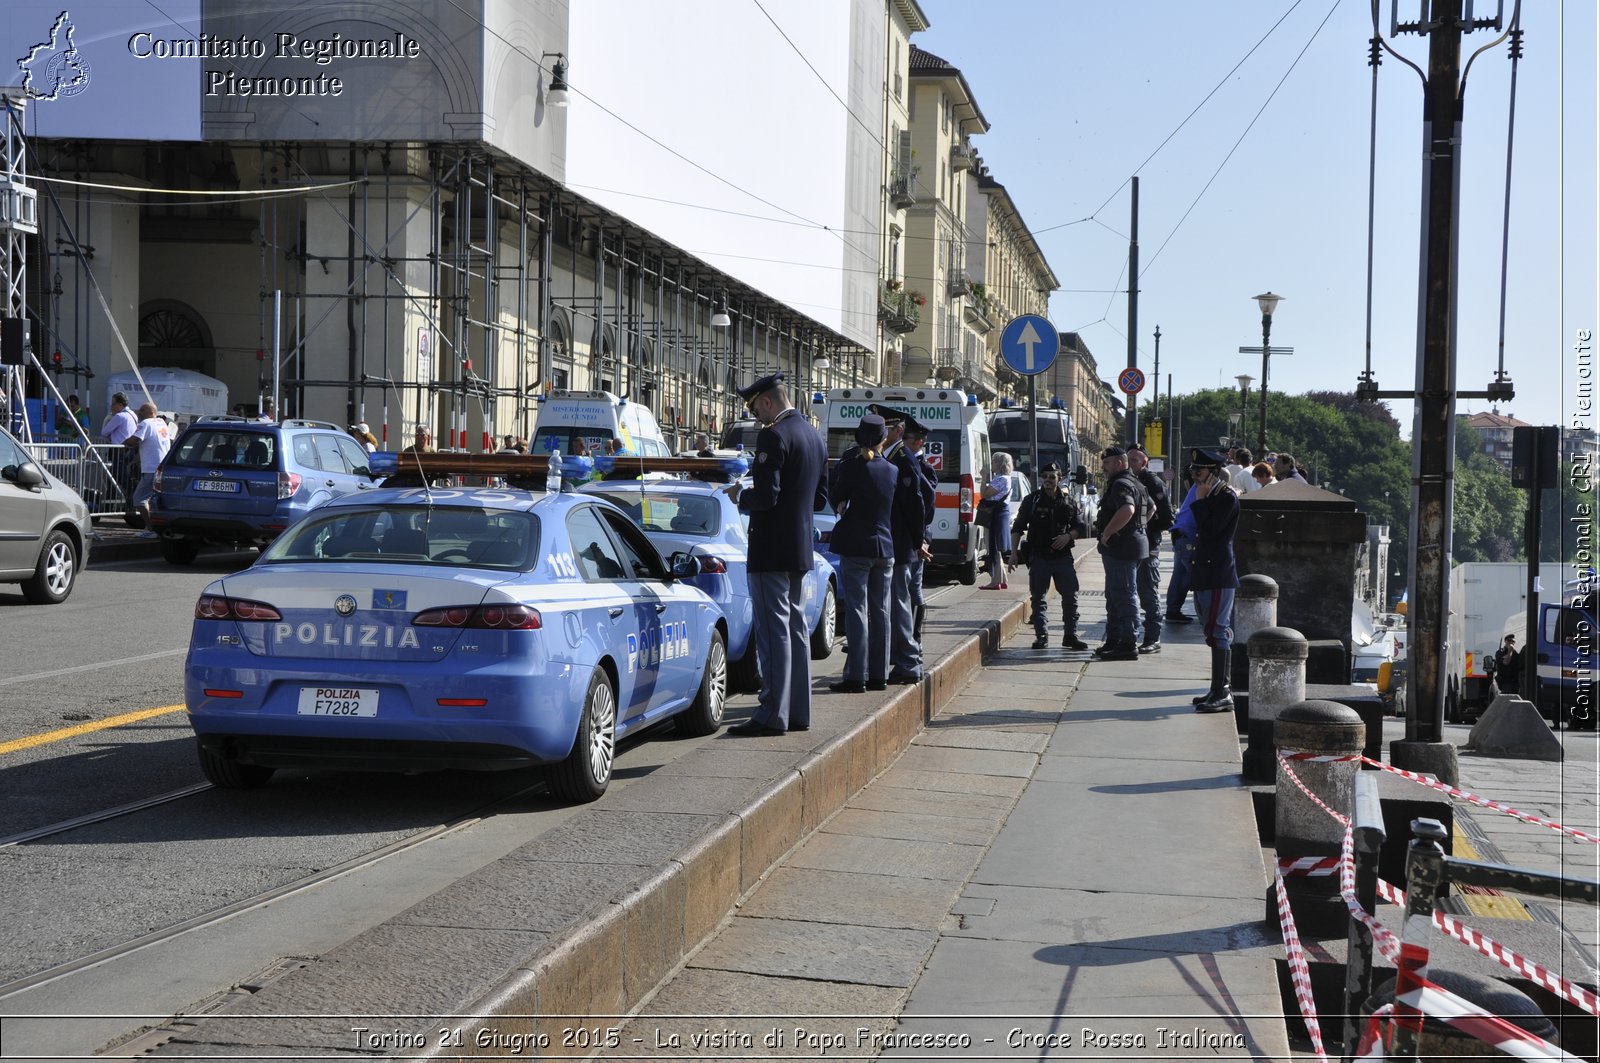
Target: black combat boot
x,y
1220,697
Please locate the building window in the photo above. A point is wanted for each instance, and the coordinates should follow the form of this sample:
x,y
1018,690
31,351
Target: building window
x,y
897,80
894,252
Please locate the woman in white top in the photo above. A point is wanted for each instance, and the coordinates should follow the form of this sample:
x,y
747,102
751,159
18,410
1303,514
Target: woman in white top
x,y
995,515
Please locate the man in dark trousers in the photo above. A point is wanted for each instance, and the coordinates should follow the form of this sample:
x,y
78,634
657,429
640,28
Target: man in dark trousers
x,y
1212,573
1044,528
1147,578
787,486
1119,525
915,487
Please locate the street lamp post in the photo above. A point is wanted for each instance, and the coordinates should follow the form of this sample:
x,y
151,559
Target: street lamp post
x,y
1268,302
1244,380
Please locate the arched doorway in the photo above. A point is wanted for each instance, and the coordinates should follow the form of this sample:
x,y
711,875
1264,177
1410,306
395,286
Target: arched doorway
x,y
173,335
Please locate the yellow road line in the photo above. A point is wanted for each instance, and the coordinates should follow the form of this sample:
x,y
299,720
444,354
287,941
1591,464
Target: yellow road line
x,y
1483,904
85,728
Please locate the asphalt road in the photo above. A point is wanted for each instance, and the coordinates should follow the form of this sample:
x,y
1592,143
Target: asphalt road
x,y
116,648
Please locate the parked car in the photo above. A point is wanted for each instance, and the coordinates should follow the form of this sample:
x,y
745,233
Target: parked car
x,y
236,482
699,518
409,630
44,527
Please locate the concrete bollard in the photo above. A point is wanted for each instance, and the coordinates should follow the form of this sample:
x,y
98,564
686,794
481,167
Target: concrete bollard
x,y
1277,681
1322,728
1255,606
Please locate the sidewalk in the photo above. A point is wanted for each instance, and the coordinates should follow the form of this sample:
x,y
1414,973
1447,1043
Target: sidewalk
x,y
1064,863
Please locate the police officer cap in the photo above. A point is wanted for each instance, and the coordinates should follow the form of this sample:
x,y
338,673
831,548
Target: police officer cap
x,y
1113,452
1206,459
871,431
1050,466
889,414
760,387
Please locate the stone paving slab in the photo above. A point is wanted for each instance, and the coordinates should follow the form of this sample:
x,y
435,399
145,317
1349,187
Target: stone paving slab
x,y
714,1005
971,761
831,952
910,826
985,738
887,856
953,782
904,902
1126,823
1160,923
887,798
1108,1038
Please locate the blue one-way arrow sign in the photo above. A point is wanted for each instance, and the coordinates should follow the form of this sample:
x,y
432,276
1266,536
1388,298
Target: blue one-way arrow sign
x,y
1030,344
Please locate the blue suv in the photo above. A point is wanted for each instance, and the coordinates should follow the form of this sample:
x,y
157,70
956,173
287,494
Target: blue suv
x,y
237,482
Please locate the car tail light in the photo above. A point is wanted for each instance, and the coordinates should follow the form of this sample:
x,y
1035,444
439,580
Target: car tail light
x,y
713,565
966,498
492,617
213,607
288,484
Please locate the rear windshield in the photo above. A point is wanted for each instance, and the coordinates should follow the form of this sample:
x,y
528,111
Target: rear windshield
x,y
452,536
660,511
741,433
227,448
1014,429
591,440
943,451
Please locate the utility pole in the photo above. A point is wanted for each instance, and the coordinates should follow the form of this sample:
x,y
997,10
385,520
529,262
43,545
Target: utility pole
x,y
1434,424
1155,381
1133,312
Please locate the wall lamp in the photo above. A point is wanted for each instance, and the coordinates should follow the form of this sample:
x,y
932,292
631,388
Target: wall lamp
x,y
556,94
719,312
821,361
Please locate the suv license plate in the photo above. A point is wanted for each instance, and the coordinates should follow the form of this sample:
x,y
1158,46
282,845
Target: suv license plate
x,y
224,486
338,701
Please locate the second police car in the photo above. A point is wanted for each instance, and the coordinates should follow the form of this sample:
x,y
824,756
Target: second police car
x,y
415,629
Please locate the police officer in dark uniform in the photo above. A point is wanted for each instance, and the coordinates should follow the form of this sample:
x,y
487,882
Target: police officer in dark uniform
x,y
788,485
915,487
1148,577
1045,523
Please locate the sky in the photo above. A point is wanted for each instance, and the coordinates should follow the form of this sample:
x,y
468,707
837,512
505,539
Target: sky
x,y
1247,122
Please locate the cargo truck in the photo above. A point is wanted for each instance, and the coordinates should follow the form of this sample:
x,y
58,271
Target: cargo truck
x,y
1488,601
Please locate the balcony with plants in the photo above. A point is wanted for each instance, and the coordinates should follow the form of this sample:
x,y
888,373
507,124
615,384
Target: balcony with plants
x,y
977,308
899,307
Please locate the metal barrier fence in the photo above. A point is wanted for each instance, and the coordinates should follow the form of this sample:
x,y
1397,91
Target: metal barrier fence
x,y
99,473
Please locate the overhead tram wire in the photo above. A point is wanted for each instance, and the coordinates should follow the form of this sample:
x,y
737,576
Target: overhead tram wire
x,y
1214,90
1216,173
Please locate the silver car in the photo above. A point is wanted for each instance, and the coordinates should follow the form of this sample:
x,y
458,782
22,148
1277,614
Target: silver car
x,y
44,527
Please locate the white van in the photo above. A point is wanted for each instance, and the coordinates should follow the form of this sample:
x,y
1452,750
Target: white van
x,y
575,422
958,450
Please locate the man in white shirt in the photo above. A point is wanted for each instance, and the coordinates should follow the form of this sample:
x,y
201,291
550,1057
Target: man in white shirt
x,y
1239,471
152,439
120,422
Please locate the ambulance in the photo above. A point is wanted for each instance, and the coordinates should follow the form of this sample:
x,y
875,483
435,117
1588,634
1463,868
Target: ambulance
x,y
577,422
957,448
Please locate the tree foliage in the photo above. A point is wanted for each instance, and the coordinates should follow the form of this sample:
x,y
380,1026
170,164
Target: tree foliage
x,y
1356,447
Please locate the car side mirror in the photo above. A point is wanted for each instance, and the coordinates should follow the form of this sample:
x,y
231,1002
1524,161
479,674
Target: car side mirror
x,y
1080,475
683,565
25,475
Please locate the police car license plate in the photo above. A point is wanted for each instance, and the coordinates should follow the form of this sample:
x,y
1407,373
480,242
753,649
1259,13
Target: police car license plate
x,y
338,701
224,486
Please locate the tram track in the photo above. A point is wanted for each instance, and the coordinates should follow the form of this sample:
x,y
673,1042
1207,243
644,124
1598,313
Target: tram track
x,y
243,905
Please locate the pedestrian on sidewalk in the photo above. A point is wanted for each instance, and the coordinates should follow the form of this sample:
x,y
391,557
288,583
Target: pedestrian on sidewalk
x,y
1119,526
152,439
1044,540
1241,479
1183,532
916,485
787,487
863,496
1213,573
1158,521
993,514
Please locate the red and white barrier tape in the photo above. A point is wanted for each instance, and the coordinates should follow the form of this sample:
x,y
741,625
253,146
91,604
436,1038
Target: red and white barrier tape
x,y
1383,938
1320,758
1429,780
1299,973
1467,1017
1283,759
1500,954
1314,866
1371,1044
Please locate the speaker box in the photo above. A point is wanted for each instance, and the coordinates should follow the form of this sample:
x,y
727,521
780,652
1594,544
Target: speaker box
x,y
13,341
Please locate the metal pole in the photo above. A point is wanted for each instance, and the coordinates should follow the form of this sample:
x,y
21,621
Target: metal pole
x,y
1133,312
1033,433
277,342
1424,872
1155,380
1368,835
1266,356
1433,478
1530,645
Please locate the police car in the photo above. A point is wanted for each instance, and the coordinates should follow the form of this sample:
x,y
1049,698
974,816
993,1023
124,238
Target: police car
x,y
699,518
421,629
